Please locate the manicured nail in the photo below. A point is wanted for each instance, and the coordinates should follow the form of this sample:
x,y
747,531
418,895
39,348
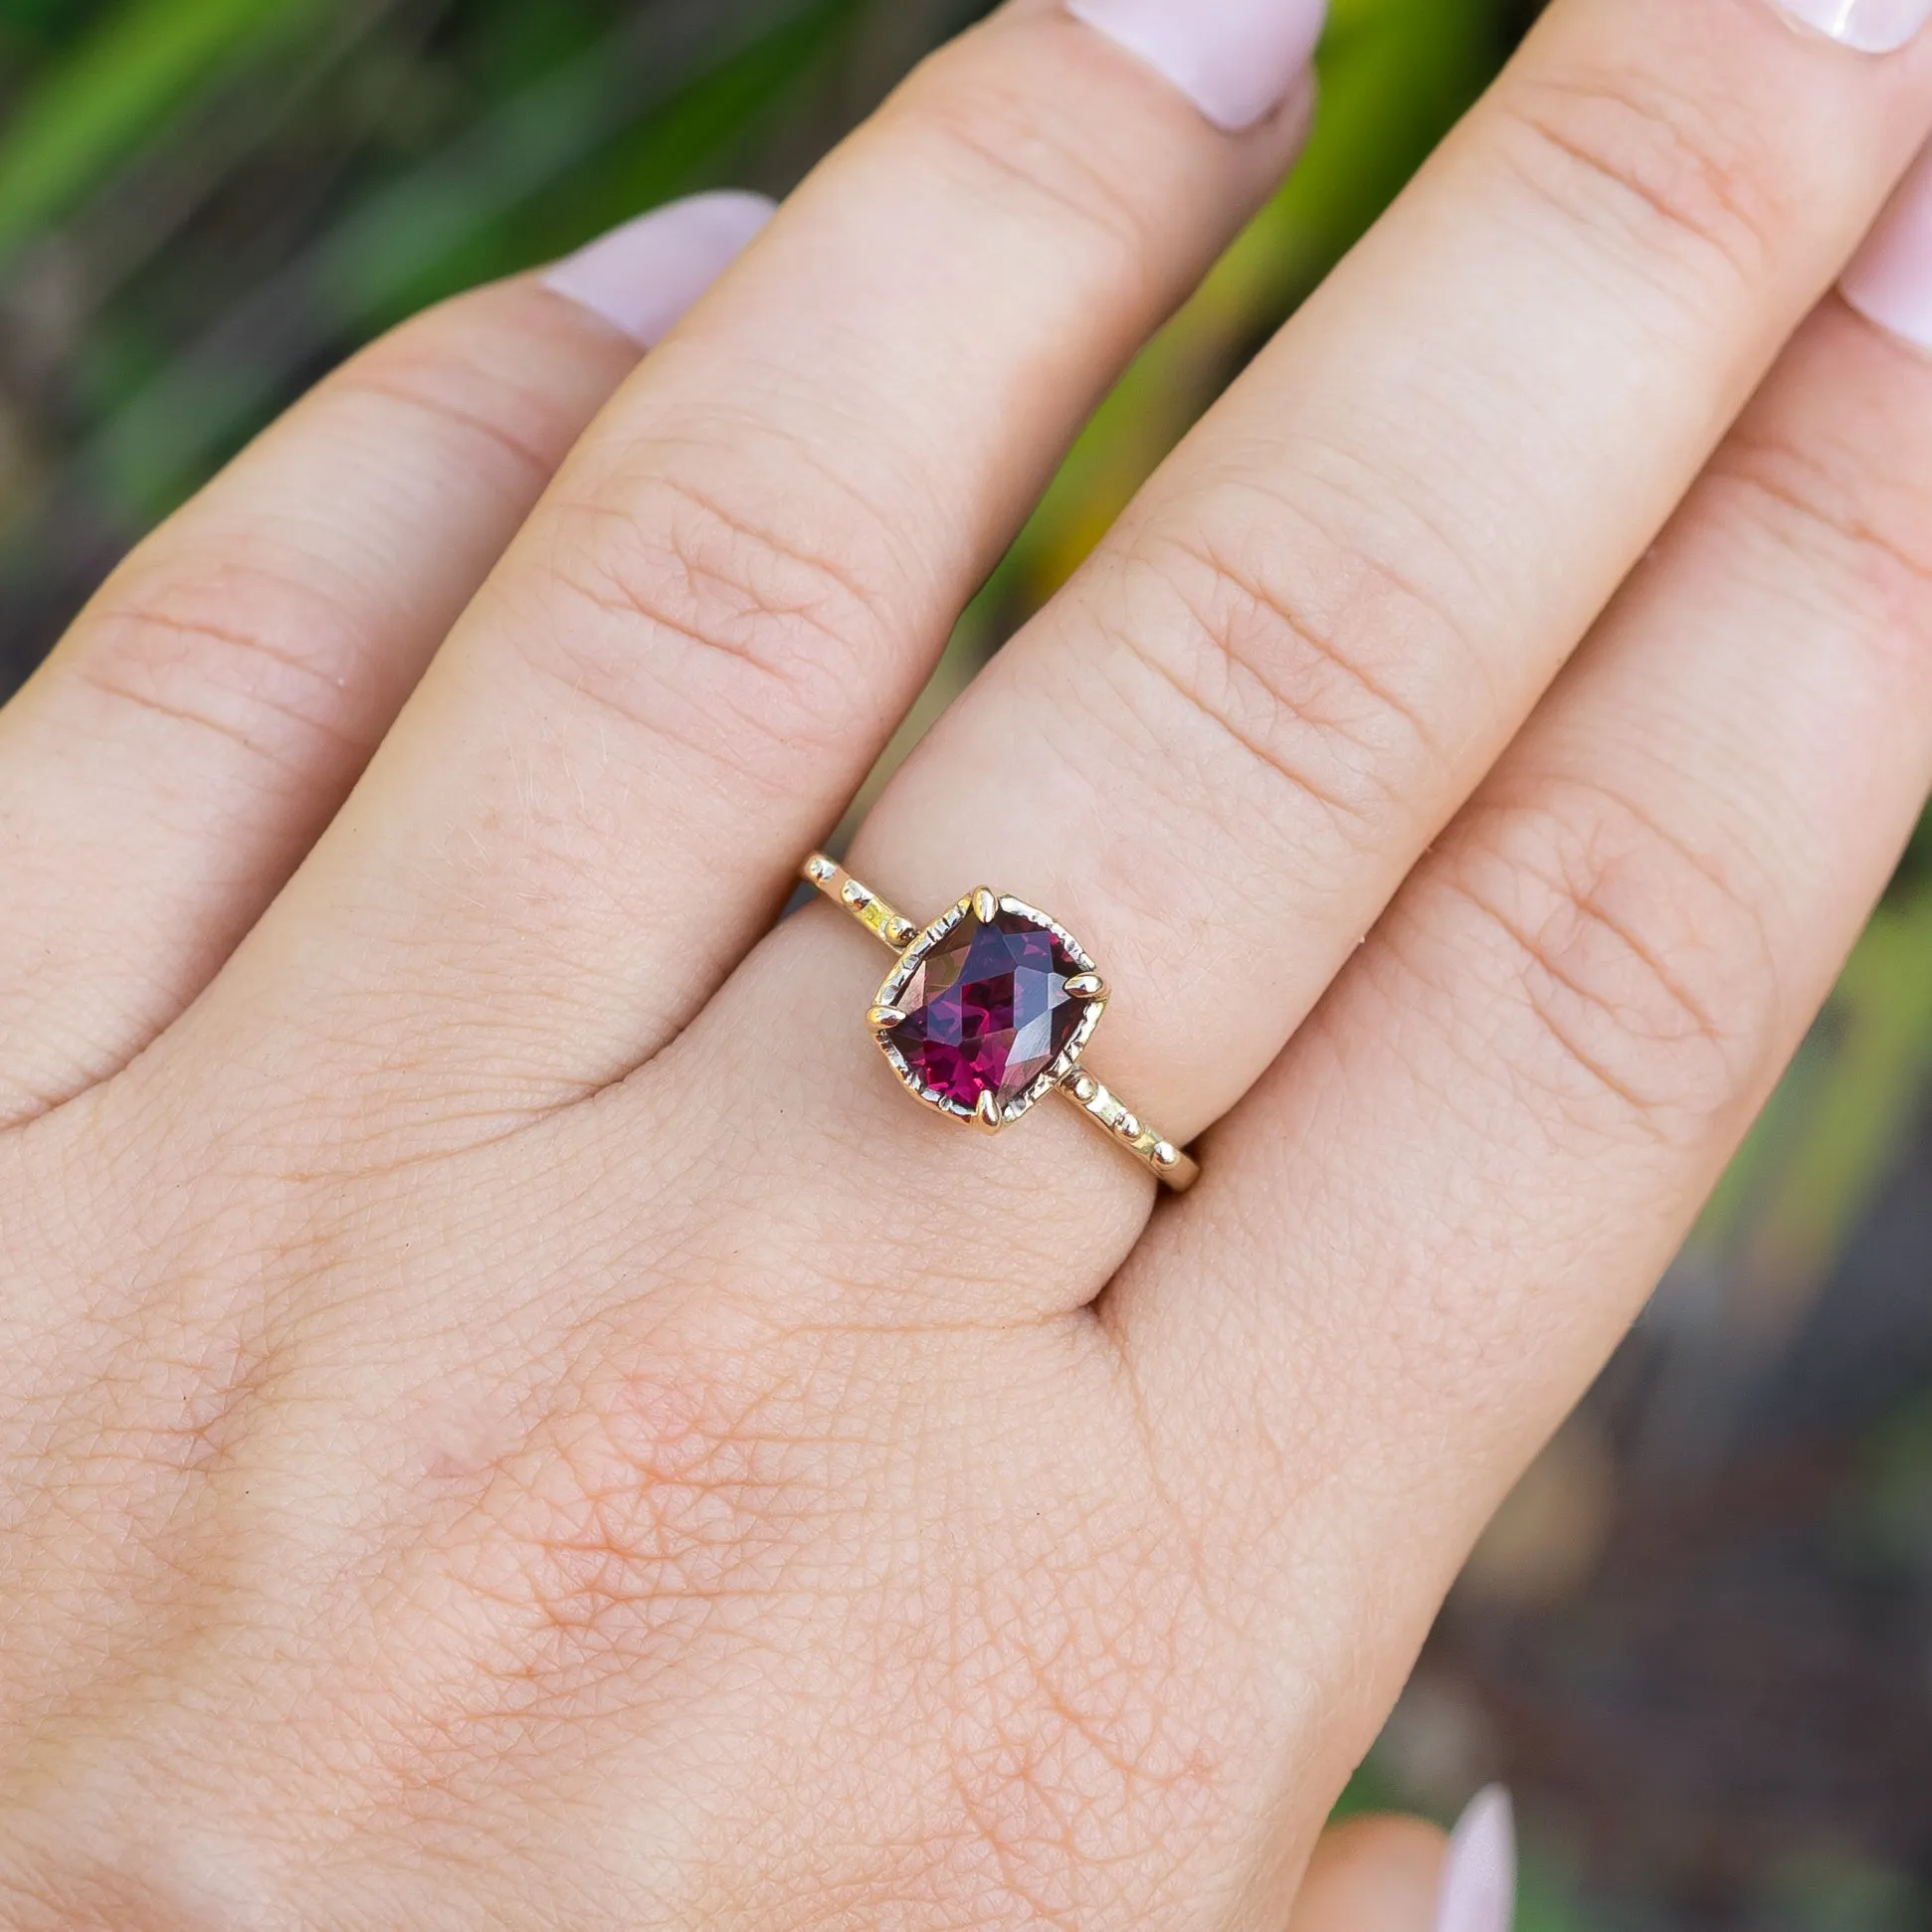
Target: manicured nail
x,y
643,277
1238,60
1479,1874
1871,26
1891,278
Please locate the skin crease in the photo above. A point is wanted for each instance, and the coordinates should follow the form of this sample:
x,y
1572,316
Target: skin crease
x,y
508,1416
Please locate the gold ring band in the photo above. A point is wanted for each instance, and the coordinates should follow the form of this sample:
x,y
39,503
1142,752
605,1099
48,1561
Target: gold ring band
x,y
930,1017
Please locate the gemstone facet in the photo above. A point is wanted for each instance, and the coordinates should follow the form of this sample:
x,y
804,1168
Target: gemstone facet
x,y
986,1009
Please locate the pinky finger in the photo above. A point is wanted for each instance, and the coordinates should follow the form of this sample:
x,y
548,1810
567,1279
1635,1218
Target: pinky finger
x,y
192,735
1384,1873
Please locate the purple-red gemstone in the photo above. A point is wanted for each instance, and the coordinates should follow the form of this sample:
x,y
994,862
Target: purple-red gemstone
x,y
986,1011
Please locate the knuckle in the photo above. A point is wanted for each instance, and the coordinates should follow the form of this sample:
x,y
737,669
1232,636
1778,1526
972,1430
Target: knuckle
x,y
1638,984
1677,172
249,651
1274,649
1860,533
760,644
477,390
1006,147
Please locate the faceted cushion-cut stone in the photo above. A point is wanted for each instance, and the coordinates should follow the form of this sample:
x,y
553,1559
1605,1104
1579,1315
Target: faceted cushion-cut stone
x,y
986,1011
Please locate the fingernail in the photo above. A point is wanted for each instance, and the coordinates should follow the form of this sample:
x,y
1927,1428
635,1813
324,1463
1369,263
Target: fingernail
x,y
643,277
1891,278
1238,60
1479,1874
1871,26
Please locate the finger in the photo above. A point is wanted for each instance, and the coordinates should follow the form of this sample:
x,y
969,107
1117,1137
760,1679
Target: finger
x,y
691,657
1216,756
177,754
1429,1225
1374,1874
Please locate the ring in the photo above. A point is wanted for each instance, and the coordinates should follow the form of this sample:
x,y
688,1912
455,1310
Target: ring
x,y
989,1009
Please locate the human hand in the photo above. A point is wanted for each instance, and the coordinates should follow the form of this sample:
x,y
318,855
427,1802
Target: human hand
x,y
511,1416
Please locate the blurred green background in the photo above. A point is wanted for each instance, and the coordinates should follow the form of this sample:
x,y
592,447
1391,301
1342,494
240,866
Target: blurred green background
x,y
1698,1641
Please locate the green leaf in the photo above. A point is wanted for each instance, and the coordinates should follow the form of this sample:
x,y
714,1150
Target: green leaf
x,y
127,78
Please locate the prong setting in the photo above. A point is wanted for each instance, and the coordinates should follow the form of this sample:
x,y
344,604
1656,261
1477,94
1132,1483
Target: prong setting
x,y
990,1097
901,993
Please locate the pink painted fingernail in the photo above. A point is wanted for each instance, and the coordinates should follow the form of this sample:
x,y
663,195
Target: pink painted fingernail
x,y
1891,278
643,277
1238,60
1871,26
1479,1891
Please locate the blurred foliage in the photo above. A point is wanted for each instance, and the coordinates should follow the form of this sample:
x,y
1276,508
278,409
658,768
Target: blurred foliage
x,y
205,203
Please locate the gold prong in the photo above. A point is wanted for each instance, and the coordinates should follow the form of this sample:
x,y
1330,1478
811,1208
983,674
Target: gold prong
x,y
986,906
882,1019
987,1114
1087,986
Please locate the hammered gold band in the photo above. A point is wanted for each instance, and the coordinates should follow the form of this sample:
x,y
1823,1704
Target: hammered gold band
x,y
1062,1074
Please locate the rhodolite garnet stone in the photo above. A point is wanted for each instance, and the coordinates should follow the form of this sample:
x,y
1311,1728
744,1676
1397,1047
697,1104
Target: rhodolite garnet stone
x,y
987,1010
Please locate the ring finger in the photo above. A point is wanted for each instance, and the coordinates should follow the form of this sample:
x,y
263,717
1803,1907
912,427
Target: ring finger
x,y
1219,755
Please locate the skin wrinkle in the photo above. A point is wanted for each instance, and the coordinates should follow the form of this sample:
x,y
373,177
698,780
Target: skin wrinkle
x,y
307,667
1689,161
665,449
866,612
1287,643
536,460
204,719
1542,956
989,138
1685,1012
768,708
1381,569
1479,1064
1159,919
1817,503
676,1511
788,709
